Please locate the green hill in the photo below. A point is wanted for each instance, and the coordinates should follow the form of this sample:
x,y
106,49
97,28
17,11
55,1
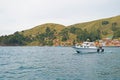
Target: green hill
x,y
104,25
41,29
50,33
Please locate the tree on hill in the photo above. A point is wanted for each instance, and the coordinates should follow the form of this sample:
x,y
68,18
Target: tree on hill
x,y
82,35
65,35
95,35
41,38
117,34
15,39
114,26
47,37
105,22
73,30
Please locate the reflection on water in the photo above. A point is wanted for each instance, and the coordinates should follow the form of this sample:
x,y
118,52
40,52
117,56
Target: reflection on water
x,y
58,63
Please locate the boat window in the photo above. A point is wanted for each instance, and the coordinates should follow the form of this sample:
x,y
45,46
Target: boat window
x,y
91,44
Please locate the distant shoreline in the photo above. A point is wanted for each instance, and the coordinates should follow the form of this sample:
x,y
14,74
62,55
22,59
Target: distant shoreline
x,y
51,46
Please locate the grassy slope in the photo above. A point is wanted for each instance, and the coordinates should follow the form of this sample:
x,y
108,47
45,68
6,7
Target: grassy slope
x,y
97,24
41,29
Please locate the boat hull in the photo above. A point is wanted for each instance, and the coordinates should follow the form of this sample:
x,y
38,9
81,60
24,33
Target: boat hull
x,y
86,50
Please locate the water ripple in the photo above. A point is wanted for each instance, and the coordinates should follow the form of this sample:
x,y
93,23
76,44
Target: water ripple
x,y
26,67
57,63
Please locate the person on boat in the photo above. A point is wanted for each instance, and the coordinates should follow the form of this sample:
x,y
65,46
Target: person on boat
x,y
100,45
100,48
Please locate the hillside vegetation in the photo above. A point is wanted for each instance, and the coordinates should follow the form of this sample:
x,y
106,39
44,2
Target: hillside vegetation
x,y
106,26
50,33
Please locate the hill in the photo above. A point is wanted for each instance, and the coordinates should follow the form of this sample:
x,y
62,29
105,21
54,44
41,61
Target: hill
x,y
57,34
41,29
104,25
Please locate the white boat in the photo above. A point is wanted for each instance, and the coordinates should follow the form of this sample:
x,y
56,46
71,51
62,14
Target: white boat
x,y
87,47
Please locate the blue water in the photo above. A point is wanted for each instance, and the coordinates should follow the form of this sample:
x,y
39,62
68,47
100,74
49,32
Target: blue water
x,y
58,63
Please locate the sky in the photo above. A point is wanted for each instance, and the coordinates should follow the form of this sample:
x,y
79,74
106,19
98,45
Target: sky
x,y
18,15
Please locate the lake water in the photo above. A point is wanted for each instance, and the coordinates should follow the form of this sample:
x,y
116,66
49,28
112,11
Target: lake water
x,y
58,63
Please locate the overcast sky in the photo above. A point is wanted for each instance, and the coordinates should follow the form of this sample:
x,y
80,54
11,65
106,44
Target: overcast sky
x,y
17,15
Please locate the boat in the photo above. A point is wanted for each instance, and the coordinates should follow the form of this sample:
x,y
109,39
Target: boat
x,y
88,47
